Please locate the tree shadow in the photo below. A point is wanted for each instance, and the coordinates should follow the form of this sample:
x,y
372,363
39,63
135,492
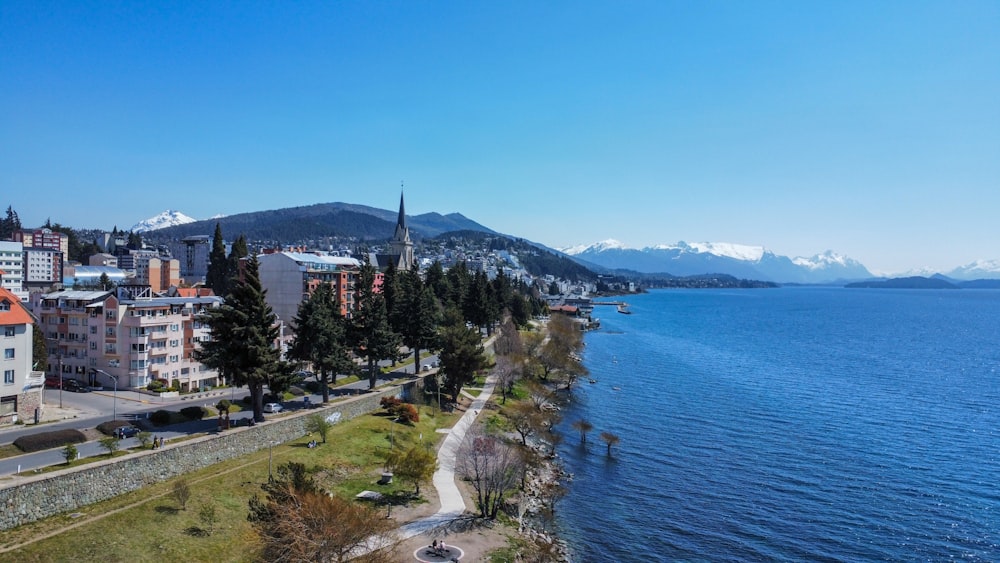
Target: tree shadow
x,y
164,509
195,531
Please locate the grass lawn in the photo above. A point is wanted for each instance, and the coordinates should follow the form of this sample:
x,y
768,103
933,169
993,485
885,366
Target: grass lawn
x,y
148,525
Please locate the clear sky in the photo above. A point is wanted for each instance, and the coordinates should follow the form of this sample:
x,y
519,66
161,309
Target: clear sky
x,y
868,128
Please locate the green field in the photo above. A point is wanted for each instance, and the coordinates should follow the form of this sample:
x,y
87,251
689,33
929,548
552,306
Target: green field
x,y
149,525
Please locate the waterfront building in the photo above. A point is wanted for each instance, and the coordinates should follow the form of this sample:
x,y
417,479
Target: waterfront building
x,y
291,277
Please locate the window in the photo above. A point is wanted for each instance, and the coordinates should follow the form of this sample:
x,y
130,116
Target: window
x,y
8,405
8,331
175,328
4,305
8,377
8,354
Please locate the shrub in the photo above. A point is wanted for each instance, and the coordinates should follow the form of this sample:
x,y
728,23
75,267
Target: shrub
x,y
193,413
312,386
296,390
390,403
47,440
246,400
407,413
160,417
155,386
70,453
223,405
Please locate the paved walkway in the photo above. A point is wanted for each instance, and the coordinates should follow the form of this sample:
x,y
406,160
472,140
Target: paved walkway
x,y
452,503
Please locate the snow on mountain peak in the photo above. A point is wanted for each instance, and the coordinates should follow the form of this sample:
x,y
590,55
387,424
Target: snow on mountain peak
x,y
722,249
609,244
824,260
168,218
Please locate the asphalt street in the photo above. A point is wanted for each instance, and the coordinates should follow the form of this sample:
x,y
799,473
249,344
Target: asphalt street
x,y
98,406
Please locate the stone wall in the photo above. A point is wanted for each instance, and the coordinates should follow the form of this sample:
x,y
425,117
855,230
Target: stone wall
x,y
35,497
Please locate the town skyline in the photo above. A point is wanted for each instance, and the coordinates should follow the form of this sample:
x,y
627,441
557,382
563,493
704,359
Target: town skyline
x,y
870,131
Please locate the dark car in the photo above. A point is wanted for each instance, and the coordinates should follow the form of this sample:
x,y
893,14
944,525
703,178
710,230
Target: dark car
x,y
126,431
75,386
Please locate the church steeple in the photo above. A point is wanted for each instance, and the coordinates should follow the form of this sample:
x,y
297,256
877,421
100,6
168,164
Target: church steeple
x,y
401,246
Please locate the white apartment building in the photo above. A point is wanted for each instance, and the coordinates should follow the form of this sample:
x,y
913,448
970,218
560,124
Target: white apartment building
x,y
42,266
12,265
20,386
98,336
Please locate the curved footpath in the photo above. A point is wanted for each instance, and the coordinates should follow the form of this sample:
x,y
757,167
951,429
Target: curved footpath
x,y
452,503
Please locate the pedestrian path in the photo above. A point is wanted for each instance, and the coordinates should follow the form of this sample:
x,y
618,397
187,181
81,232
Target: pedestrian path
x,y
452,503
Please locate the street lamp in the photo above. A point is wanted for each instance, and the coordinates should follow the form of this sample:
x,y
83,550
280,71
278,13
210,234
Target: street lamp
x,y
114,411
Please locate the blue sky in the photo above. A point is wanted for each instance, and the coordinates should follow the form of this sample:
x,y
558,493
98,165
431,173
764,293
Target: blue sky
x,y
868,128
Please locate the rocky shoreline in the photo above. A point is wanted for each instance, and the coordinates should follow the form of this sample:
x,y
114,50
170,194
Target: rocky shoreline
x,y
543,486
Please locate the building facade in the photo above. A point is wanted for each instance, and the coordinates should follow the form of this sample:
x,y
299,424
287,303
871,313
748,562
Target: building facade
x,y
291,277
21,387
126,334
12,264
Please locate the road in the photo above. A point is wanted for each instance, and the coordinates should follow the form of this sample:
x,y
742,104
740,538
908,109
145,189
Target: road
x,y
98,407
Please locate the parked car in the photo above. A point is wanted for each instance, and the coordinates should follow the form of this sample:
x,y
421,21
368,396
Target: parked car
x,y
75,386
272,407
127,431
52,381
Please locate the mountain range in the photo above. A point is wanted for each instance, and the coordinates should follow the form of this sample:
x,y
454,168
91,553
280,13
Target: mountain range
x,y
362,223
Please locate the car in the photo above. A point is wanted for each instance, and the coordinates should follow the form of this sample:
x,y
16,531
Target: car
x,y
126,431
75,386
52,381
272,407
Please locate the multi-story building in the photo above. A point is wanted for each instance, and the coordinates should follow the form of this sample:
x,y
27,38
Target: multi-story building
x,y
12,263
194,252
42,267
21,387
43,238
128,334
291,277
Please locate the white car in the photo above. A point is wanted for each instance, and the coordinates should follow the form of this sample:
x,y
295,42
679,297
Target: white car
x,y
272,407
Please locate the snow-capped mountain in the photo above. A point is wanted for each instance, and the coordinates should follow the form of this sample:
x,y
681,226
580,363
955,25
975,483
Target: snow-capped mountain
x,y
978,270
742,261
168,218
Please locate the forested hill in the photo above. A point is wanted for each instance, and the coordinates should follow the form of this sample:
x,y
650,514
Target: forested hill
x,y
292,225
534,258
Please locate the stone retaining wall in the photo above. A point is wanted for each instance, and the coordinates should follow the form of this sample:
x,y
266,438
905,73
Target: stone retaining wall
x,y
34,497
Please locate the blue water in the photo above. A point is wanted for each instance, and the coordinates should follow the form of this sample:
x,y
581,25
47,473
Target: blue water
x,y
793,424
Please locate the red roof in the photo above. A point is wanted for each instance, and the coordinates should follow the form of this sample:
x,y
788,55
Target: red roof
x,y
17,315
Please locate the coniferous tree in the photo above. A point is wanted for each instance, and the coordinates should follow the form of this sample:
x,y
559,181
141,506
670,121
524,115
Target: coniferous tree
x,y
320,337
435,279
238,251
243,333
9,224
459,281
216,277
370,334
416,315
462,353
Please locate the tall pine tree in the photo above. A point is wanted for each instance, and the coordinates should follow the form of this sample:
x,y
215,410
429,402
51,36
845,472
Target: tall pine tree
x,y
462,353
416,315
217,275
244,332
370,334
320,337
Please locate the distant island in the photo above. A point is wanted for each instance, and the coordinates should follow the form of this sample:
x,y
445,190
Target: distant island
x,y
914,282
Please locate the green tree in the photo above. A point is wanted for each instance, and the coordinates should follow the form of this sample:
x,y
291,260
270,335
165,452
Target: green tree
x,y
104,282
416,315
238,251
319,424
462,353
321,337
370,333
415,465
39,349
435,279
243,335
216,277
69,452
111,444
9,224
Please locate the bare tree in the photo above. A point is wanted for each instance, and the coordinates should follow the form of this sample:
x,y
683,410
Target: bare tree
x,y
508,370
525,418
300,522
609,439
583,426
493,467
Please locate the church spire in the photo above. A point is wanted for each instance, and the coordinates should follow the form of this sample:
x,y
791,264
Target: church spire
x,y
401,221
